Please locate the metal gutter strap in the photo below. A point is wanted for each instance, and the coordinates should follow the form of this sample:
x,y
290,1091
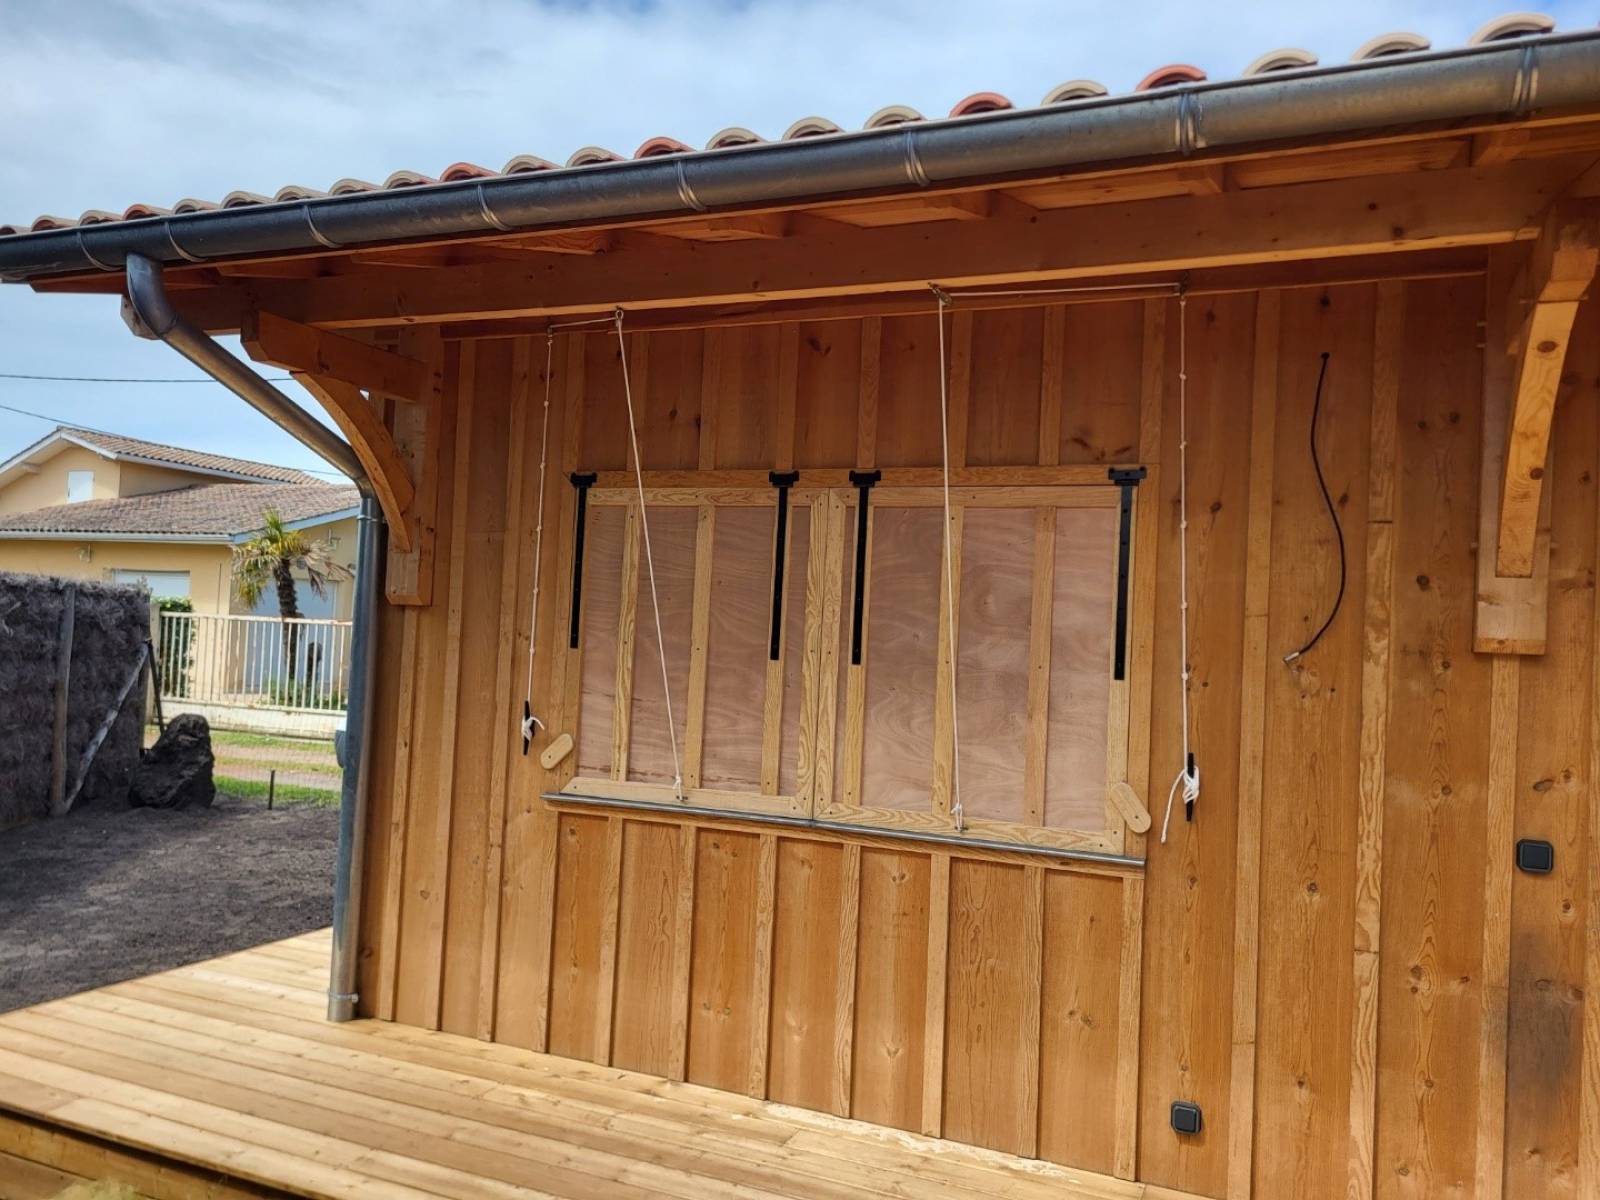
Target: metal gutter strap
x,y
149,313
1511,78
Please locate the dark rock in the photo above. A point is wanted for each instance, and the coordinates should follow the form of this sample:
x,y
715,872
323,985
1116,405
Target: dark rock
x,y
176,771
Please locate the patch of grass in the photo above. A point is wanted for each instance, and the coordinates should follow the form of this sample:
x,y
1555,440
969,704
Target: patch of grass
x,y
287,793
222,737
227,761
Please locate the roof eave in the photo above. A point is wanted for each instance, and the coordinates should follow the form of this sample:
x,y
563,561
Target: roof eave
x,y
83,535
343,514
1506,80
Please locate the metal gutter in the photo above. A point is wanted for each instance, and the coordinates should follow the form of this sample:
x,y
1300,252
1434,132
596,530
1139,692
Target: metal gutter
x,y
149,313
1500,80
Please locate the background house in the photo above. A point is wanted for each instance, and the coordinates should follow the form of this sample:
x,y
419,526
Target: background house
x,y
90,505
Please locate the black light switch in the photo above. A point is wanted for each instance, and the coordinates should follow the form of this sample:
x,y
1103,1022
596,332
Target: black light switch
x,y
1186,1117
1535,857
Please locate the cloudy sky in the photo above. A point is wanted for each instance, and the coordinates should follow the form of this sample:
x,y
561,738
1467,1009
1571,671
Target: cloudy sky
x,y
108,102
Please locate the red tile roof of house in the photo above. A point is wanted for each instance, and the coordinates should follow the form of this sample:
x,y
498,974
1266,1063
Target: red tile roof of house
x,y
210,512
1176,75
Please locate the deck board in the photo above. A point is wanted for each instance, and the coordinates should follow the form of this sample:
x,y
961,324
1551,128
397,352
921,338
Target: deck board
x,y
226,1071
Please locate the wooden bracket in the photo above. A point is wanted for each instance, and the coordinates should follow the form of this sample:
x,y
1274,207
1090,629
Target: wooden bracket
x,y
1533,293
363,428
1553,281
304,349
418,429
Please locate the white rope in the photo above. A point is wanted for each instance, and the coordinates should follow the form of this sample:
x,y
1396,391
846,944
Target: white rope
x,y
956,811
649,561
1188,777
529,721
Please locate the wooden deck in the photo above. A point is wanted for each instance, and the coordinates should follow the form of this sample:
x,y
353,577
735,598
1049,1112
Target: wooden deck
x,y
222,1079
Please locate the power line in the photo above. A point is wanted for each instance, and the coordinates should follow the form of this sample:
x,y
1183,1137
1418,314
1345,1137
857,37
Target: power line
x,y
24,412
110,379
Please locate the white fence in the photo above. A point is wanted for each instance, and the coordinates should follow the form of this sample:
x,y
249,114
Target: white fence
x,y
260,665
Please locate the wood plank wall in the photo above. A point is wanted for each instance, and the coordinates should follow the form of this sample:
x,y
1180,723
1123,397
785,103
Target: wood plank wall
x,y
1334,959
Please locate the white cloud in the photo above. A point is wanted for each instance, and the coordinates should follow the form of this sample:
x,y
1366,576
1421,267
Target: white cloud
x,y
119,101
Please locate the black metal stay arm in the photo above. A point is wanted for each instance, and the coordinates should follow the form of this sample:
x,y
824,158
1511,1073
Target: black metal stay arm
x,y
583,483
783,481
1126,478
862,481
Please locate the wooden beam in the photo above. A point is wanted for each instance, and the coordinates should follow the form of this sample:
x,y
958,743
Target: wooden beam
x,y
1167,236
914,210
1454,263
269,338
564,241
755,227
364,430
1562,266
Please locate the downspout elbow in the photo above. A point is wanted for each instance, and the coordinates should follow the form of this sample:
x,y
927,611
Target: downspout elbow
x,y
149,312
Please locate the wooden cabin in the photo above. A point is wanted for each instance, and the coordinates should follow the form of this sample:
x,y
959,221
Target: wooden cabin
x,y
857,610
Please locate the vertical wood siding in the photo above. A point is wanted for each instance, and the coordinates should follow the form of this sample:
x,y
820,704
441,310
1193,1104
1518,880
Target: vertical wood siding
x,y
1335,959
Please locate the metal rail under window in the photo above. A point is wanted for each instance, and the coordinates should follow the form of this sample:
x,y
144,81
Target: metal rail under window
x,y
848,829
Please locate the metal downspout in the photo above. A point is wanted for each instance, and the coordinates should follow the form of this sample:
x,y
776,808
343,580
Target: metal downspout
x,y
149,313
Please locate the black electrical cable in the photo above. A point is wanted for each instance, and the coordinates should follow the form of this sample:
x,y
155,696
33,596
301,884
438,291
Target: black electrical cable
x,y
1333,515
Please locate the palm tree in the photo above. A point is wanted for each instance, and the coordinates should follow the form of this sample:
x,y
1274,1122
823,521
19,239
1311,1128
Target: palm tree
x,y
272,557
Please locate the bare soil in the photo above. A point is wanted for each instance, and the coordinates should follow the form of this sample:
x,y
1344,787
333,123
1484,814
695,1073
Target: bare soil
x,y
106,895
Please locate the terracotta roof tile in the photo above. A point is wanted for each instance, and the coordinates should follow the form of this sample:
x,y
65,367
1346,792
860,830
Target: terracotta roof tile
x,y
1512,25
892,114
221,510
404,179
589,155
1286,59
464,170
1169,76
1073,89
657,146
523,163
810,127
733,135
1386,44
980,102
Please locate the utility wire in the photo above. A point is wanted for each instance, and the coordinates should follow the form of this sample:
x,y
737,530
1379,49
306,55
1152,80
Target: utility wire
x,y
1333,516
112,379
24,412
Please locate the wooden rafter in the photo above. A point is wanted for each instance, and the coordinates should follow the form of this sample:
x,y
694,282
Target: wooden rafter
x,y
358,420
1309,221
1559,272
300,349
